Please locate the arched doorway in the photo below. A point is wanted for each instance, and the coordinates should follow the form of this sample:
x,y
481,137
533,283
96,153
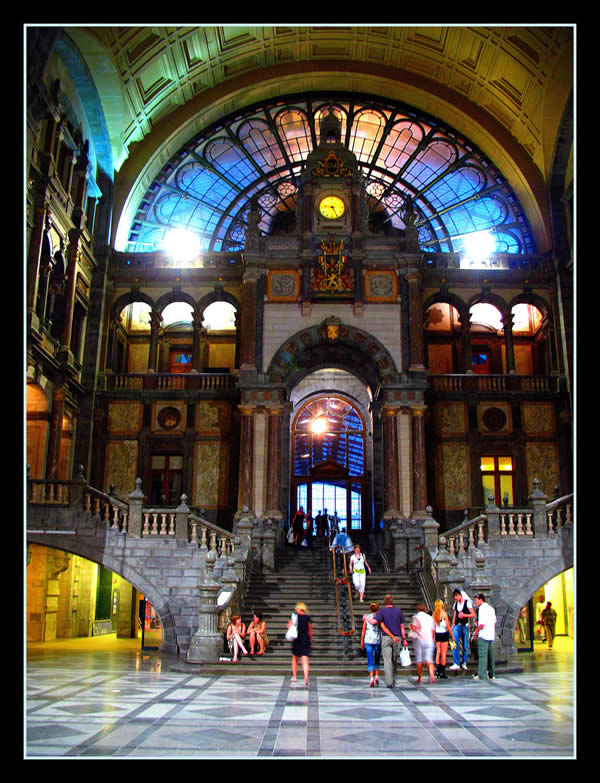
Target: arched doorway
x,y
329,460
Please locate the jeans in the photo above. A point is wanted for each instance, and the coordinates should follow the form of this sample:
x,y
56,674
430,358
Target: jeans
x,y
461,632
487,659
373,656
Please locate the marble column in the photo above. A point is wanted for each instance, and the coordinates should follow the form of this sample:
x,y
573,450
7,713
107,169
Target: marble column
x,y
246,483
390,461
248,322
415,317
509,343
199,342
419,462
274,463
155,322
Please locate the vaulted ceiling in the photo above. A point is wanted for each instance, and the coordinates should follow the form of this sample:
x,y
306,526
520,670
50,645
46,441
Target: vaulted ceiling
x,y
506,89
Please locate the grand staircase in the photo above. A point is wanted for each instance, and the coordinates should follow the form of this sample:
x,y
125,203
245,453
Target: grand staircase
x,y
307,575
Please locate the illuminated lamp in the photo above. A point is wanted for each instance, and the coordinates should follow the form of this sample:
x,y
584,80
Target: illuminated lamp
x,y
319,426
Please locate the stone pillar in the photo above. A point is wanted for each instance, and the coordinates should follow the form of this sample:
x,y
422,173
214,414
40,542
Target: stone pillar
x,y
136,501
155,322
206,644
72,256
419,462
430,530
415,320
268,547
248,322
54,440
182,514
492,513
274,463
540,517
41,220
390,455
199,342
466,344
246,483
509,343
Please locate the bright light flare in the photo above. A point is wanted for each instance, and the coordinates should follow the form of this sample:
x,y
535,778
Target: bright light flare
x,y
319,426
181,245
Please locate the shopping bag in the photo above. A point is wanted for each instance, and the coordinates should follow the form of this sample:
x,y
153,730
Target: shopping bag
x,y
292,631
404,657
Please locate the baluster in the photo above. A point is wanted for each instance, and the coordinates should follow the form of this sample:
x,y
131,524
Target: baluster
x,y
203,538
213,541
528,525
88,502
461,542
194,534
106,519
125,518
511,525
471,537
146,525
569,514
154,523
223,541
96,506
163,524
51,493
550,521
559,518
59,493
481,534
520,530
171,524
115,524
502,524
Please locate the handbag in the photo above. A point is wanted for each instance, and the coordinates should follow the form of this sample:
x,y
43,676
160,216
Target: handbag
x,y
292,631
290,536
404,657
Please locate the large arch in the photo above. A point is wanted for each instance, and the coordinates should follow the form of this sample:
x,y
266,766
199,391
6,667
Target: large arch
x,y
334,344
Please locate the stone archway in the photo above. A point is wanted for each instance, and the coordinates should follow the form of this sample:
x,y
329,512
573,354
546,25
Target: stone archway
x,y
333,343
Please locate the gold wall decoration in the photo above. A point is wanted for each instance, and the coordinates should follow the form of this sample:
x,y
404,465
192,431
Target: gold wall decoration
x,y
494,418
213,417
121,466
169,417
541,459
211,460
125,418
538,418
450,418
331,166
283,285
331,275
380,286
453,483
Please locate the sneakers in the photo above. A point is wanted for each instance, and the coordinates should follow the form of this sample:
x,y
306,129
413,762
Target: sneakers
x,y
454,668
475,676
464,666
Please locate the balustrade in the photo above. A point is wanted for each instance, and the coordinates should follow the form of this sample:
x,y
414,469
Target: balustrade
x,y
204,382
496,383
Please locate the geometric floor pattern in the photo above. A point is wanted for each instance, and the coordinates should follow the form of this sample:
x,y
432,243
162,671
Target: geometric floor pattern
x,y
129,707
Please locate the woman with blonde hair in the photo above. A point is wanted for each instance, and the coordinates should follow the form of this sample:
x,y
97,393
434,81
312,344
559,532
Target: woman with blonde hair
x,y
302,642
443,631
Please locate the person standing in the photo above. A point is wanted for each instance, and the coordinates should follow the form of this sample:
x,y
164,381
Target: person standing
x,y
358,569
549,623
308,526
485,633
298,526
370,641
391,621
423,628
443,630
462,611
539,608
301,646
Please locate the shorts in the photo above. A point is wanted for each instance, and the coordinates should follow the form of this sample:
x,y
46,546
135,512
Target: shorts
x,y
442,637
423,651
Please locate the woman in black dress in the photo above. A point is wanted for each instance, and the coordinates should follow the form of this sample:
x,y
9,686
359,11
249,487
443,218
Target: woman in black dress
x,y
301,644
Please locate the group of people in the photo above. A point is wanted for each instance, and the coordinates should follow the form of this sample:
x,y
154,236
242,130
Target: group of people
x,y
384,629
303,527
255,635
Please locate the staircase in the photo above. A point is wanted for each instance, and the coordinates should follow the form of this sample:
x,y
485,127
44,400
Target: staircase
x,y
307,575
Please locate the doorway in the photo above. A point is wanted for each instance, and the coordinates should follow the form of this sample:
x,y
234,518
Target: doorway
x,y
329,461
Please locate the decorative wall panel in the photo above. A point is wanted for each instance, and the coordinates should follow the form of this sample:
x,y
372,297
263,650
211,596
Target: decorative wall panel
x,y
453,484
121,466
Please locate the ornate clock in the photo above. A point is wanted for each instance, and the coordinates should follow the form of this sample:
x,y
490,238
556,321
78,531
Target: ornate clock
x,y
332,207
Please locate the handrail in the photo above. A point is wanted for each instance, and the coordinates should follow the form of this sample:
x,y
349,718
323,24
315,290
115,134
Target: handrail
x,y
340,581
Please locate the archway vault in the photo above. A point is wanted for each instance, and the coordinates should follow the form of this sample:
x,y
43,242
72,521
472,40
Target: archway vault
x,y
333,344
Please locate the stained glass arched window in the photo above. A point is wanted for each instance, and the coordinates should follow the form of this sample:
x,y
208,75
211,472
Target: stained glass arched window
x,y
207,186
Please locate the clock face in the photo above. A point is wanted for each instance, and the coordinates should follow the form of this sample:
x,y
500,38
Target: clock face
x,y
332,207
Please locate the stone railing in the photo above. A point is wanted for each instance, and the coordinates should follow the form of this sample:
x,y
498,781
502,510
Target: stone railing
x,y
133,517
473,382
153,381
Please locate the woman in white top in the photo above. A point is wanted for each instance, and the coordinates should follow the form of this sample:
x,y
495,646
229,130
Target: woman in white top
x,y
423,629
358,569
443,631
370,641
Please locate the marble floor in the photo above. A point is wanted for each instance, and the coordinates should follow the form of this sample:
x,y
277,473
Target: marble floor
x,y
117,702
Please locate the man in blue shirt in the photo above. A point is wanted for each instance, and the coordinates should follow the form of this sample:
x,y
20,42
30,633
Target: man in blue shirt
x,y
342,539
391,621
